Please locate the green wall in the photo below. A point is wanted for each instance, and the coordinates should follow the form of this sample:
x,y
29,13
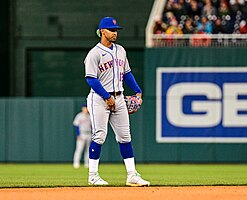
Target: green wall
x,y
76,20
36,130
62,27
41,130
61,72
4,48
3,130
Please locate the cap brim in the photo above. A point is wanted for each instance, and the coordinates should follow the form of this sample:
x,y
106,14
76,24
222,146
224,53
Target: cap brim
x,y
111,27
115,27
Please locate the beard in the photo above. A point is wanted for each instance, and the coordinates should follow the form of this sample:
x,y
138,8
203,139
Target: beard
x,y
112,39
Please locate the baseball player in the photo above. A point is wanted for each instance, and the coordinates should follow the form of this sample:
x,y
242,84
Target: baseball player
x,y
83,128
106,68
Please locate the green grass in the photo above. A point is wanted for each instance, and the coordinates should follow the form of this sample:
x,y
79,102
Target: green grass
x,y
62,175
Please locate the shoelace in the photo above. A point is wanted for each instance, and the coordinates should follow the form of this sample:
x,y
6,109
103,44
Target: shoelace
x,y
137,174
96,177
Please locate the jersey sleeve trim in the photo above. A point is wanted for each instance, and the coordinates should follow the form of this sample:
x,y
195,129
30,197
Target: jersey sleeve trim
x,y
91,75
127,71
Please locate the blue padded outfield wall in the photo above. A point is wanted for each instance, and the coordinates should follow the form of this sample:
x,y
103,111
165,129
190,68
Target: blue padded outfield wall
x,y
39,129
187,151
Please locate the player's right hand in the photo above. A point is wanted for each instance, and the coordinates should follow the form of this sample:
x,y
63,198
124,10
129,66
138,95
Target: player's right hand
x,y
110,104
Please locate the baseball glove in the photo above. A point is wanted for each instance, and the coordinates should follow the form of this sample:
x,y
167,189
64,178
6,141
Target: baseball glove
x,y
133,103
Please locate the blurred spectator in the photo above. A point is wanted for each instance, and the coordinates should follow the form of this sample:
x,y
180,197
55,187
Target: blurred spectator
x,y
169,5
174,28
227,16
168,17
224,9
218,27
159,26
243,27
188,27
216,3
195,9
208,10
237,5
208,16
180,8
244,10
228,23
204,26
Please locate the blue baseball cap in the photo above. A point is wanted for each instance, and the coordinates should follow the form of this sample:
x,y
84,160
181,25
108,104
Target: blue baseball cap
x,y
109,22
84,104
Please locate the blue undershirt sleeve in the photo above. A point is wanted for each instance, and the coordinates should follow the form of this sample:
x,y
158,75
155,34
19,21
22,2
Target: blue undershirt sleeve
x,y
97,87
77,130
129,79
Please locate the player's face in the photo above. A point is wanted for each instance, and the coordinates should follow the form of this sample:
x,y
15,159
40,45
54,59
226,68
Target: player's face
x,y
110,34
84,109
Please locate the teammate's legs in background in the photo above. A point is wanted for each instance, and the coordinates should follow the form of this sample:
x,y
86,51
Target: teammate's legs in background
x,y
78,152
86,151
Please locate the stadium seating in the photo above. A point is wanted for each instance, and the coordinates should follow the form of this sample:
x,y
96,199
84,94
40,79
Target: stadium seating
x,y
221,16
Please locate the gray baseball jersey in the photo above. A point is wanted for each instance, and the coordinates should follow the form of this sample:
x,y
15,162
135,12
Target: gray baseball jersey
x,y
108,66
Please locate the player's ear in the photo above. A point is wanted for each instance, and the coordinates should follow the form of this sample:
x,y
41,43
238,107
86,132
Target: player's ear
x,y
101,32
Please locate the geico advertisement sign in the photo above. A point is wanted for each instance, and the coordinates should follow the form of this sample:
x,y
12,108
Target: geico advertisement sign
x,y
201,104
219,105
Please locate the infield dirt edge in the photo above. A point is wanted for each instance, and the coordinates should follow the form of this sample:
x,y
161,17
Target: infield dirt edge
x,y
122,193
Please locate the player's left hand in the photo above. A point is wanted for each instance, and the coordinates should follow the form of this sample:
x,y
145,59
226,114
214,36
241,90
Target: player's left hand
x,y
133,103
140,100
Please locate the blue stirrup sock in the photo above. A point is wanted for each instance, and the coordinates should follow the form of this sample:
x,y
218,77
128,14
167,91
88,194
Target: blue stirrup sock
x,y
128,157
94,150
126,150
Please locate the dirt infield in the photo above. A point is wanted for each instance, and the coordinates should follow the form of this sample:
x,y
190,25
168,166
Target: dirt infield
x,y
123,193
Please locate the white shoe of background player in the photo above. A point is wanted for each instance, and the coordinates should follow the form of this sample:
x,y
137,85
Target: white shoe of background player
x,y
96,180
76,165
135,180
